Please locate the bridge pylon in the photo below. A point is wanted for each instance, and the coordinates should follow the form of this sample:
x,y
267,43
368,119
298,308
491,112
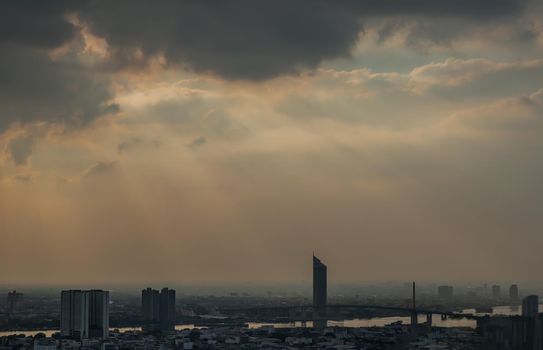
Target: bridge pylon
x,y
414,315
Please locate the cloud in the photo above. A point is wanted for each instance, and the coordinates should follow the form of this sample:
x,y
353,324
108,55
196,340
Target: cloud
x,y
257,40
136,142
41,24
197,142
191,115
43,44
34,88
99,168
426,94
20,149
483,76
23,178
37,86
129,144
520,117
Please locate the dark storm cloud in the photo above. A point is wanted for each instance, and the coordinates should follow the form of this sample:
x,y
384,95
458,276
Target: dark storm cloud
x,y
36,23
239,39
479,9
255,40
34,87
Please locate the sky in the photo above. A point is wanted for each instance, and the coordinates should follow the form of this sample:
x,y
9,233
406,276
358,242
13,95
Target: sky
x,y
210,142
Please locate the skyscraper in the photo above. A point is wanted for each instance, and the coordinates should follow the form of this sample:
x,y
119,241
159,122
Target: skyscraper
x,y
98,314
74,309
513,295
167,309
158,309
150,308
496,292
319,287
84,314
530,306
530,311
14,301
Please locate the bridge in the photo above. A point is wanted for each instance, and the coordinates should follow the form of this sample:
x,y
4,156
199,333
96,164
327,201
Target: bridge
x,y
309,309
319,311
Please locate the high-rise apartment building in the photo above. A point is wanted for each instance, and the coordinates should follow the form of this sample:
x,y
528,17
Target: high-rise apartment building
x,y
14,301
98,314
150,307
158,309
513,295
167,309
496,292
84,314
530,306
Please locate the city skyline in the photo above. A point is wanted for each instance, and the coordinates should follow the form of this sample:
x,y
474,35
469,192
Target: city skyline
x,y
487,319
201,142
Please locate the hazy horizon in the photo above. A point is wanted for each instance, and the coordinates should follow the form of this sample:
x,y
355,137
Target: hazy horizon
x,y
205,142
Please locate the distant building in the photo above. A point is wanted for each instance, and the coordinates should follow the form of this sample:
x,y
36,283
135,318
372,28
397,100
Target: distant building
x,y
109,346
530,312
319,288
150,309
14,301
167,309
45,344
158,309
530,306
513,295
98,314
496,292
84,314
508,332
445,293
74,308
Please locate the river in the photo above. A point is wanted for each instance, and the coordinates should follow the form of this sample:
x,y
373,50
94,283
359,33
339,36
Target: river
x,y
370,322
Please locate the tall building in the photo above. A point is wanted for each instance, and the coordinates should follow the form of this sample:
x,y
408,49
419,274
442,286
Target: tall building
x,y
167,309
496,292
74,309
513,295
445,293
14,301
319,287
530,306
98,314
530,313
158,309
150,308
84,314
510,332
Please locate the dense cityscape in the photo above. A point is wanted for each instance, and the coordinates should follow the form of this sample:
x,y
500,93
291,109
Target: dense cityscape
x,y
97,319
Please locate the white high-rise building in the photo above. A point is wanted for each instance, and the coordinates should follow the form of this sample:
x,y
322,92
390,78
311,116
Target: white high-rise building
x,y
84,314
74,310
